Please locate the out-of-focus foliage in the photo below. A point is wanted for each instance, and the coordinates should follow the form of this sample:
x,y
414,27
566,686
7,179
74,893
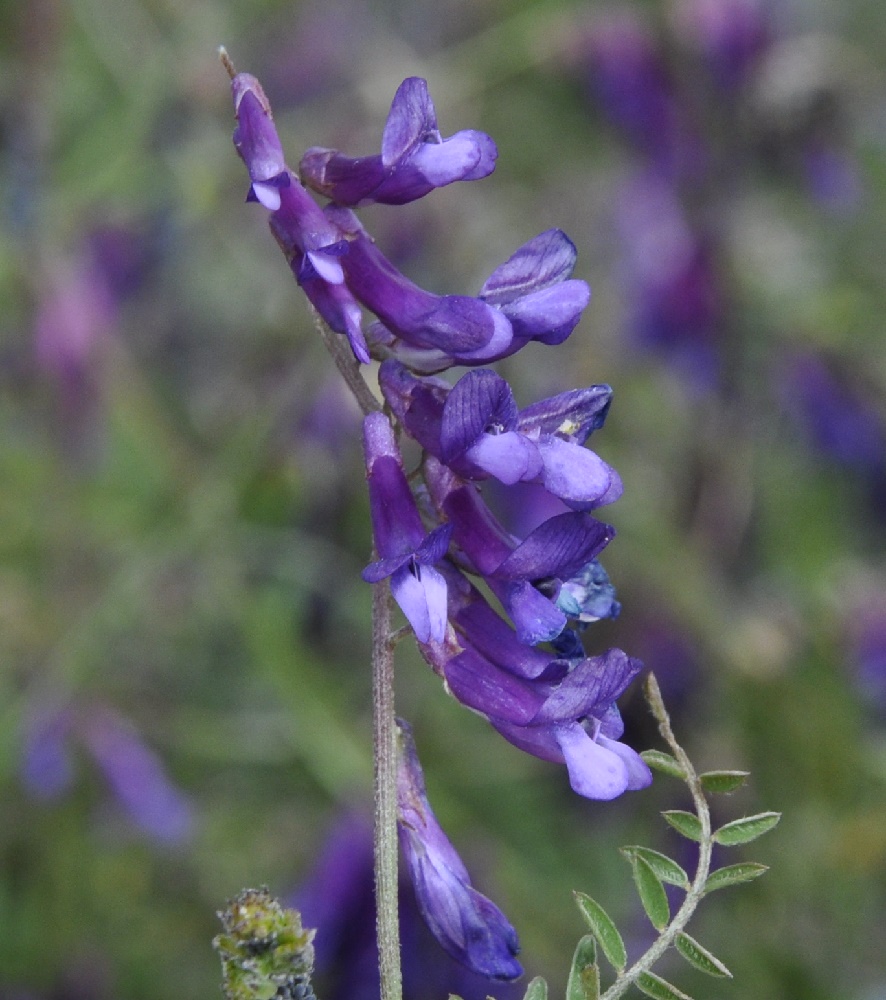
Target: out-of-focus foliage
x,y
184,634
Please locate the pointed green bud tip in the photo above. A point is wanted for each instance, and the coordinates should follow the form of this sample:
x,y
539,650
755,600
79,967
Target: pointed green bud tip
x,y
264,949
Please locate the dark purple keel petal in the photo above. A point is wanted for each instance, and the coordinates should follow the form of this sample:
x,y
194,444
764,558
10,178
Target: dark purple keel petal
x,y
558,547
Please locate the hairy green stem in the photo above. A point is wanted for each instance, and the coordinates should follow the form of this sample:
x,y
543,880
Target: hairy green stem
x,y
385,738
696,890
384,722
348,366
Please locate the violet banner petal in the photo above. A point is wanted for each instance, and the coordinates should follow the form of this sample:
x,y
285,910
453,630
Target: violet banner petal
x,y
480,401
575,414
411,120
545,260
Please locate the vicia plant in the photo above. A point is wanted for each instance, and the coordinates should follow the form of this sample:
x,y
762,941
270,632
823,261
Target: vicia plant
x,y
442,553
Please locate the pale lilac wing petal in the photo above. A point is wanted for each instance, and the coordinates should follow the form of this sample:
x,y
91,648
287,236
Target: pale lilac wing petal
x,y
420,592
639,775
510,457
594,771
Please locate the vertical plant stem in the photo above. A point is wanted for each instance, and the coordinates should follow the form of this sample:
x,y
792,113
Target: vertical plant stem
x,y
384,729
385,738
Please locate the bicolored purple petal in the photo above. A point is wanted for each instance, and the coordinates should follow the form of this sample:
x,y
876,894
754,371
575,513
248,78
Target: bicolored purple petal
x,y
257,142
468,925
407,551
544,261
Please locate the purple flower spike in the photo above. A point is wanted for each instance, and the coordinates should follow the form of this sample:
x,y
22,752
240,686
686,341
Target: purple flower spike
x,y
468,925
257,142
414,158
407,551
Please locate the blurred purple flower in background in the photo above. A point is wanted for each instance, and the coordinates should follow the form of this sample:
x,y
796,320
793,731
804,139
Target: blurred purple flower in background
x,y
670,279
629,77
135,775
837,417
867,653
731,36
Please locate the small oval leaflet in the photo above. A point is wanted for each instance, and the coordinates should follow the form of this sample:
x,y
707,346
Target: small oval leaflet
x,y
658,760
686,823
537,989
734,875
658,988
700,957
723,782
652,893
584,976
604,930
746,829
664,867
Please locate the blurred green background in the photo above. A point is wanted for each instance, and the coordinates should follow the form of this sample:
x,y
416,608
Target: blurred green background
x,y
185,685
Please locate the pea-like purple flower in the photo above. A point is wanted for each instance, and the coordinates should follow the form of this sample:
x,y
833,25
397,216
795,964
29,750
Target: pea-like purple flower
x,y
477,430
408,552
468,925
414,158
558,706
531,297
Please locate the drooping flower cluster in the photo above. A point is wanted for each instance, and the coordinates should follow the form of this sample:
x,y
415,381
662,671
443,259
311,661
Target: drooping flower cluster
x,y
525,671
